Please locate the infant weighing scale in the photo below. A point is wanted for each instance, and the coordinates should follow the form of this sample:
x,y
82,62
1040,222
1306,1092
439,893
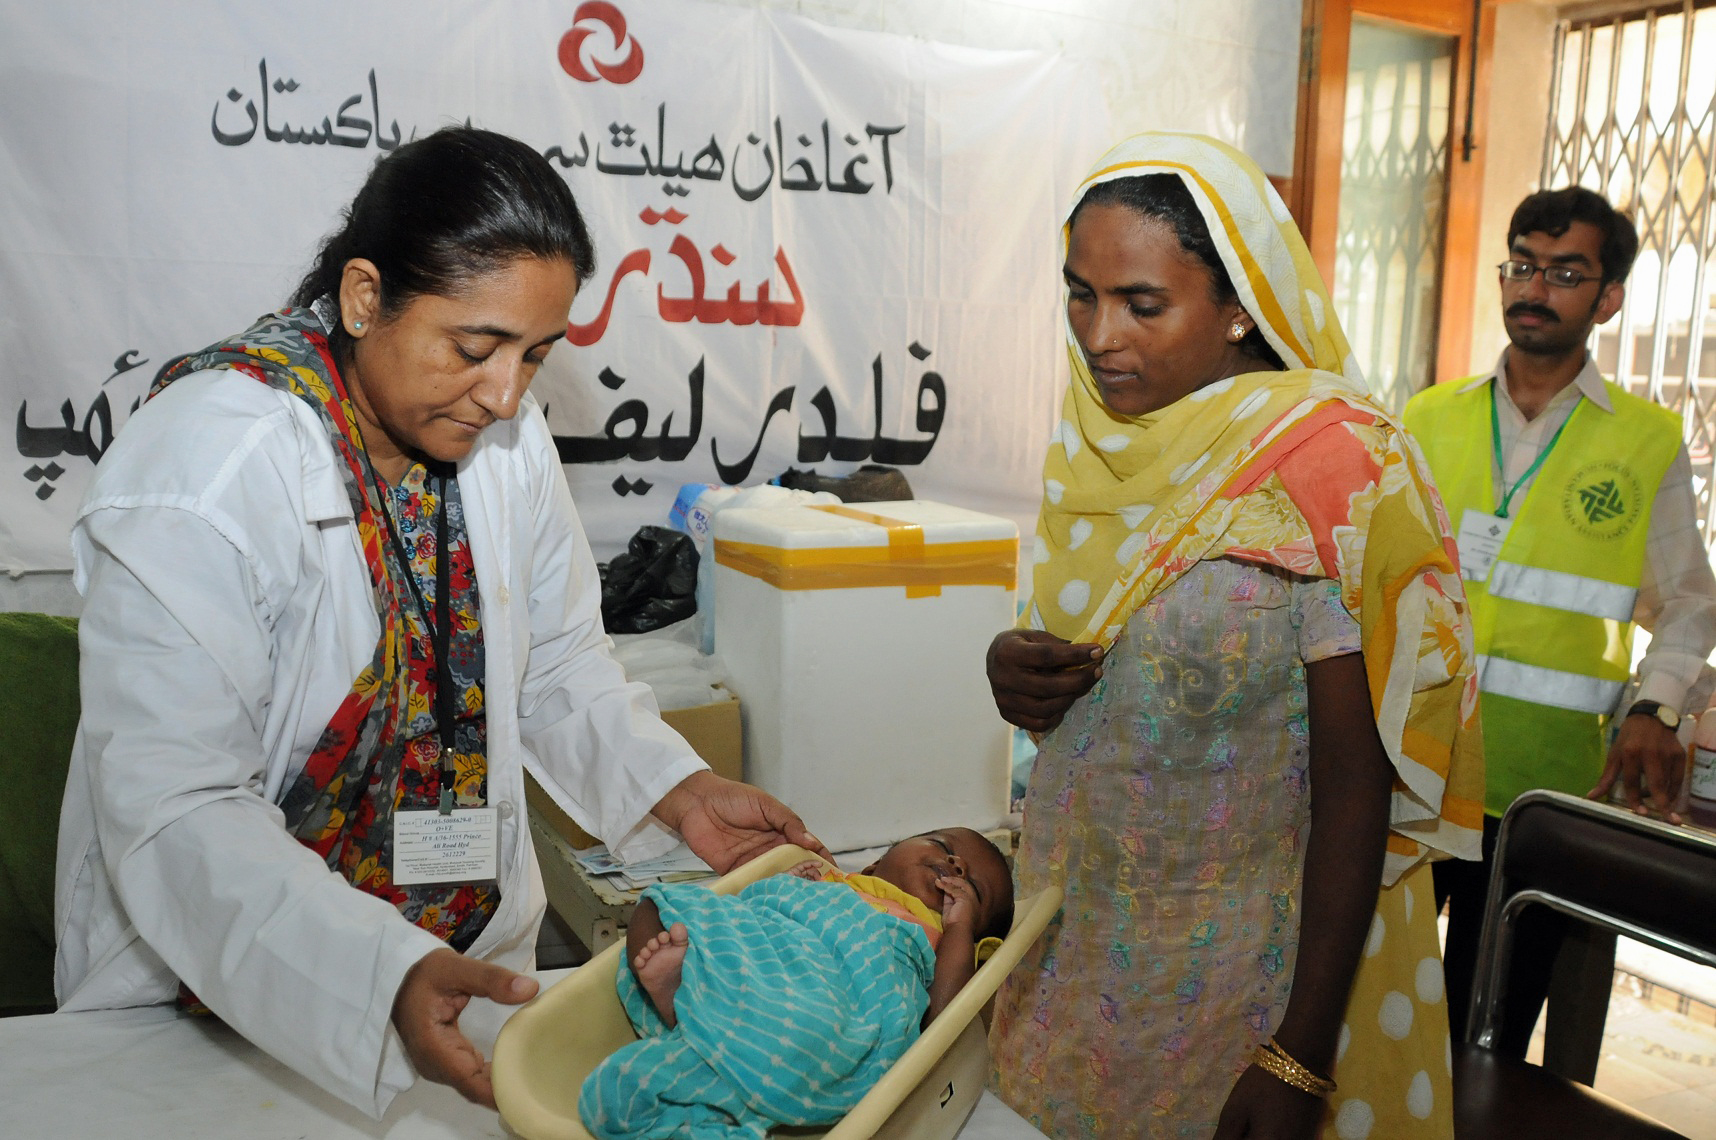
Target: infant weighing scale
x,y
549,1046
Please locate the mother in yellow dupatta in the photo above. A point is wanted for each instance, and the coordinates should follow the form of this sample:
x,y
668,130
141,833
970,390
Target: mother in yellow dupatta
x,y
1248,652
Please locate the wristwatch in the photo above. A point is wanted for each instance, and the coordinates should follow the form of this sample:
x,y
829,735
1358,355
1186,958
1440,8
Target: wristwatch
x,y
1669,718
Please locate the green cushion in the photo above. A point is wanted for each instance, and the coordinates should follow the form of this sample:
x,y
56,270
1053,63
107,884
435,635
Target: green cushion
x,y
38,719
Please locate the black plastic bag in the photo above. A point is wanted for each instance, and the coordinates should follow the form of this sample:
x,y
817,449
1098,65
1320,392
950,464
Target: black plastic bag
x,y
654,583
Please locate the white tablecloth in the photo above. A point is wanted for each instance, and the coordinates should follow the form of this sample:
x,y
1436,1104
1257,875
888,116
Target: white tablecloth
x,y
150,1073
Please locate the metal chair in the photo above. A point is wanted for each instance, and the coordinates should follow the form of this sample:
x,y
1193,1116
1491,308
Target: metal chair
x,y
1605,866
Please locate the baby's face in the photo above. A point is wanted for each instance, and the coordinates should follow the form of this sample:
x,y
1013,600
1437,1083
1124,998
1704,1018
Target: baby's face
x,y
915,864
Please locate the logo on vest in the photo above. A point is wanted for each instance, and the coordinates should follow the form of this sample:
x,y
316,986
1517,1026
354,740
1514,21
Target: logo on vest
x,y
1602,500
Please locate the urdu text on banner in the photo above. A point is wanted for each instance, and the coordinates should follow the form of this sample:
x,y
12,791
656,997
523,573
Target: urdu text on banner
x,y
817,248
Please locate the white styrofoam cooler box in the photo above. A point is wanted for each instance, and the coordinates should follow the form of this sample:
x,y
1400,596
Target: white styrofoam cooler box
x,y
855,637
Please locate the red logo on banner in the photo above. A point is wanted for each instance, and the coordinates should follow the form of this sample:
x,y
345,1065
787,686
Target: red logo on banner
x,y
604,14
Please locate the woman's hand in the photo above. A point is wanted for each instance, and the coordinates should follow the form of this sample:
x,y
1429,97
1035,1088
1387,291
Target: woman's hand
x,y
1037,676
1264,1107
426,1014
728,823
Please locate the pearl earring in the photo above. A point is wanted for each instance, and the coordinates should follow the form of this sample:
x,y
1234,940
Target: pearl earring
x,y
359,325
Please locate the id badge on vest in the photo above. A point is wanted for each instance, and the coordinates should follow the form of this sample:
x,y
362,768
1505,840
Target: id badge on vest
x,y
1480,541
461,846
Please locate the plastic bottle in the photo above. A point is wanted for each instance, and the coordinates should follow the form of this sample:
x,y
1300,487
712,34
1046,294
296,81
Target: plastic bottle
x,y
701,515
693,508
693,512
706,601
1701,781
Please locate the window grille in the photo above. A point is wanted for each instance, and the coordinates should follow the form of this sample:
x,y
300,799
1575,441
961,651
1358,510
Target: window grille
x,y
1394,189
1632,115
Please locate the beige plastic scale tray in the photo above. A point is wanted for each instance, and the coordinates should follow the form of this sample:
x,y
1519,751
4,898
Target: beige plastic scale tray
x,y
548,1047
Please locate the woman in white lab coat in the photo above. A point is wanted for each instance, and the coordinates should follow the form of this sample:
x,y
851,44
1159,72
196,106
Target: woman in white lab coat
x,y
337,602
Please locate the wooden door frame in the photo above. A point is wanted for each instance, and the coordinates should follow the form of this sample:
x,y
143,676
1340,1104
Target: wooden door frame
x,y
1324,43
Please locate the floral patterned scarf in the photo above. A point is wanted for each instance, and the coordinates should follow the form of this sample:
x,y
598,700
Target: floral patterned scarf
x,y
1296,469
381,750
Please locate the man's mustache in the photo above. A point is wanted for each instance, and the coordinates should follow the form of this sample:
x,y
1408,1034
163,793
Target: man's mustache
x,y
1527,309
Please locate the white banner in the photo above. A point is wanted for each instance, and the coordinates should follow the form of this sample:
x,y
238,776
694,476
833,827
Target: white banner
x,y
817,248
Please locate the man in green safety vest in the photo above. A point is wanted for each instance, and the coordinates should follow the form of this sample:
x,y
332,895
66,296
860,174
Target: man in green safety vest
x,y
1573,505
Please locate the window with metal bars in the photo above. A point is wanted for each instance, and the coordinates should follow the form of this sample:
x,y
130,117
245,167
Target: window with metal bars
x,y
1632,115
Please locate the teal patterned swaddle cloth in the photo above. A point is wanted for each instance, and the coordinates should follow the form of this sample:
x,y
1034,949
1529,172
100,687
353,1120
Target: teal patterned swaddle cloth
x,y
794,998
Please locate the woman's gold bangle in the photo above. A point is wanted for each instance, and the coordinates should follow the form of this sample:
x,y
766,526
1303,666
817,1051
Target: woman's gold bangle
x,y
1277,1062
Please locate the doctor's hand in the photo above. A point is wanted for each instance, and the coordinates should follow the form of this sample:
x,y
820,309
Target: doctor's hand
x,y
728,823
426,1013
1645,747
1037,676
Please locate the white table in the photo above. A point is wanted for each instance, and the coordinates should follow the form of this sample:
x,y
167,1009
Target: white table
x,y
150,1073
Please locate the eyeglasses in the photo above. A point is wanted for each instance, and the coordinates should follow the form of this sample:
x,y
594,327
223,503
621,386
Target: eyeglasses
x,y
1559,276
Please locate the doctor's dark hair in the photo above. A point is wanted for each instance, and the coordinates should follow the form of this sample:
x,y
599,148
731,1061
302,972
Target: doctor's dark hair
x,y
1165,198
1553,212
443,210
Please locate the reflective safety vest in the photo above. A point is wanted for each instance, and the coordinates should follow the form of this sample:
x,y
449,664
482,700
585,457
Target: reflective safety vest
x,y
1552,625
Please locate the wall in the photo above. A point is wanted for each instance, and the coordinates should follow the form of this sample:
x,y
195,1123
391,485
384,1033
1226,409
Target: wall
x,y
46,593
1523,66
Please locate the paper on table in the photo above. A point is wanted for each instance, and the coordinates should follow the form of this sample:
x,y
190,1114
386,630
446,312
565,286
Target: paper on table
x,y
675,866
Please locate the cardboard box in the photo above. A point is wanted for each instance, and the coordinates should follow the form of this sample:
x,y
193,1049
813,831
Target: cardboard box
x,y
713,730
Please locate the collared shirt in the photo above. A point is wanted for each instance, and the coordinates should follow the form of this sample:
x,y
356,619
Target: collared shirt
x,y
1677,593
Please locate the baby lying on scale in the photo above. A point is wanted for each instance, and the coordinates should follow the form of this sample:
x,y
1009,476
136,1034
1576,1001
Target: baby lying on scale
x,y
783,1004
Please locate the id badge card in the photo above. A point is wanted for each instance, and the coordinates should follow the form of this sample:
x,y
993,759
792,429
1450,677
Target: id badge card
x,y
459,847
1480,541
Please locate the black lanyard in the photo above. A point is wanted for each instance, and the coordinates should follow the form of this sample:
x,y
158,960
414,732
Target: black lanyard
x,y
440,628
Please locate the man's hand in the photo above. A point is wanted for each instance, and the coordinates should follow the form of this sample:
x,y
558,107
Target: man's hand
x,y
1037,676
426,1014
728,823
1644,745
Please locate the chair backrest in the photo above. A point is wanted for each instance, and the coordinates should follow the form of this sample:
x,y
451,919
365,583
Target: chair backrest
x,y
38,721
1650,881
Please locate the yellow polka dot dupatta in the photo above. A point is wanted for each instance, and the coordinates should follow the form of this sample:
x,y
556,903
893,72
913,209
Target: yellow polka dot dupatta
x,y
1297,469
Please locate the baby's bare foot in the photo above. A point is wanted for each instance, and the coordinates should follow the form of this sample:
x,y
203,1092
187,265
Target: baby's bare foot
x,y
657,967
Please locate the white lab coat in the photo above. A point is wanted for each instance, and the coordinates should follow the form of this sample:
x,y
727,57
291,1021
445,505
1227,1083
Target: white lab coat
x,y
228,610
